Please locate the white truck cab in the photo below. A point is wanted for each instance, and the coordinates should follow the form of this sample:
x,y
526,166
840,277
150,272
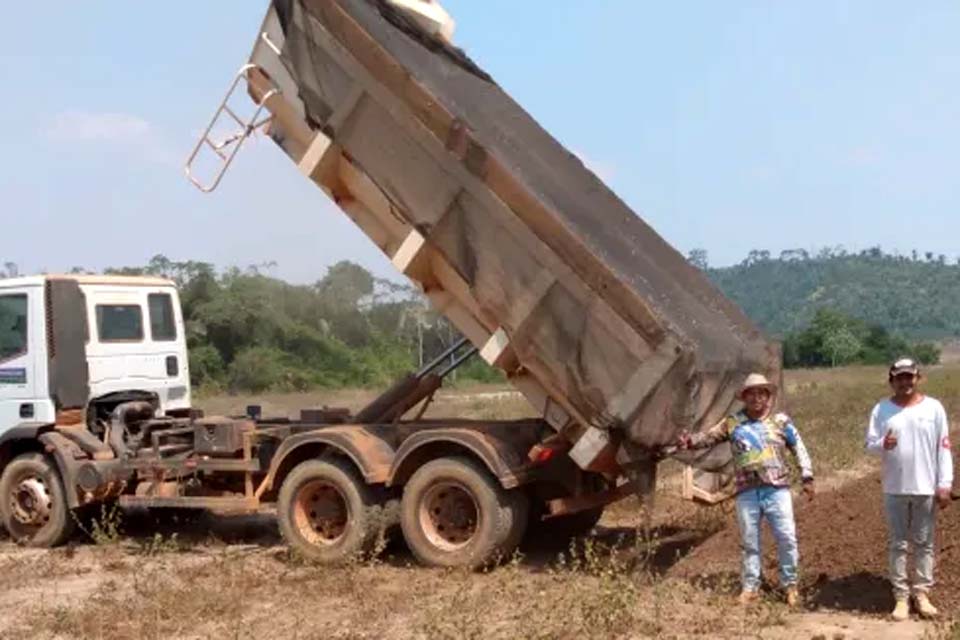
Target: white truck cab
x,y
68,340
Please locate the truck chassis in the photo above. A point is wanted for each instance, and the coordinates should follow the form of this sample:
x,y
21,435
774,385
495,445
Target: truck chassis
x,y
461,491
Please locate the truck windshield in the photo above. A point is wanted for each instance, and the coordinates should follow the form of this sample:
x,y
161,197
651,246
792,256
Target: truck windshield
x,y
119,322
13,325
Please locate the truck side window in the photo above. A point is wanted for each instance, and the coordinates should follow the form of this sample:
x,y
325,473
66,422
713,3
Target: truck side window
x,y
119,323
13,325
162,325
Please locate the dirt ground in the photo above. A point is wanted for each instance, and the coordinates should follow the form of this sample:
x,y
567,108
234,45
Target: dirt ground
x,y
161,575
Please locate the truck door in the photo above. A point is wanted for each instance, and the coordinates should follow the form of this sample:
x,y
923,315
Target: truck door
x,y
20,329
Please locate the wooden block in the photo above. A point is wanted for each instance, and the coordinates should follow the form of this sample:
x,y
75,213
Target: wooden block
x,y
319,161
497,351
412,258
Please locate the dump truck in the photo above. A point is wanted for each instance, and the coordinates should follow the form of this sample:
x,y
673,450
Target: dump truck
x,y
615,340
95,409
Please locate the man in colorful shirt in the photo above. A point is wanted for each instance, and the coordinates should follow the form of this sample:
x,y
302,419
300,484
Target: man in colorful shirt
x,y
759,442
910,432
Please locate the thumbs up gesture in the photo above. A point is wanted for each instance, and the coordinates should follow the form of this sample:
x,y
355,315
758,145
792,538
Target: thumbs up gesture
x,y
890,440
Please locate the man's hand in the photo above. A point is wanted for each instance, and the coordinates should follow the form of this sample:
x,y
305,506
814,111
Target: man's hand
x,y
890,441
943,498
809,489
684,441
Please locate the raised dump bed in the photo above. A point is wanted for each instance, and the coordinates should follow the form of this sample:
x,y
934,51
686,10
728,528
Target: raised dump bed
x,y
612,336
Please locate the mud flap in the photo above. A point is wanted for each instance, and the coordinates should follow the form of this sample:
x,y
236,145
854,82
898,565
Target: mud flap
x,y
640,467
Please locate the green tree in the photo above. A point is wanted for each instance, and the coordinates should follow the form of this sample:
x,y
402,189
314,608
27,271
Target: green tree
x,y
842,346
345,285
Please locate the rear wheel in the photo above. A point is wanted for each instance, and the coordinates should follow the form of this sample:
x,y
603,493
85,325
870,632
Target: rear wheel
x,y
455,514
327,512
33,503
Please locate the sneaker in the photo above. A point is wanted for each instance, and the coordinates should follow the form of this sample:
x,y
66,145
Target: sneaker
x,y
902,611
792,596
924,607
747,596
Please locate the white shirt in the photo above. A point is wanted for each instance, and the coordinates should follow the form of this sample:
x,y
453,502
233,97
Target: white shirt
x,y
921,462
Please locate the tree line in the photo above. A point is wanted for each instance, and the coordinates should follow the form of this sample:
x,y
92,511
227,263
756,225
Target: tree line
x,y
833,339
247,331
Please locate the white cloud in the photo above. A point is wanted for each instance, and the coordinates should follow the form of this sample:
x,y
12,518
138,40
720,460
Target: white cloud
x,y
81,126
126,131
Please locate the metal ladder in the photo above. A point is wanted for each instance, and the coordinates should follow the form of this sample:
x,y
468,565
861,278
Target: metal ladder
x,y
227,148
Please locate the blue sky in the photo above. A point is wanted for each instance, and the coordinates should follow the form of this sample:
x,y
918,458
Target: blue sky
x,y
726,125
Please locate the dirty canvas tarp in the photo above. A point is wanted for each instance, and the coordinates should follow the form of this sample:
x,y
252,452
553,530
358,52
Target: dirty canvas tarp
x,y
597,305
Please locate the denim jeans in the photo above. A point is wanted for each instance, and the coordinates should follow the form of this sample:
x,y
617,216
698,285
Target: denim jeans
x,y
776,505
910,519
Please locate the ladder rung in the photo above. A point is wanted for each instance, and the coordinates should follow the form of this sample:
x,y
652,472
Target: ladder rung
x,y
215,148
235,116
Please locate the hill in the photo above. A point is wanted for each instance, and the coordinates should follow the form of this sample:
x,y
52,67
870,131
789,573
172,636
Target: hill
x,y
914,296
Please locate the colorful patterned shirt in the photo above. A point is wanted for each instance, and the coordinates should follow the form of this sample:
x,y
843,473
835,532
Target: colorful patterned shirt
x,y
759,447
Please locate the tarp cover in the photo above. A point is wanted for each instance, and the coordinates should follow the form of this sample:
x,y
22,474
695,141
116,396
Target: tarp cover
x,y
631,335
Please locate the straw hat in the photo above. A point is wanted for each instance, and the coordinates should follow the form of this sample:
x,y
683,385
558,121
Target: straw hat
x,y
755,380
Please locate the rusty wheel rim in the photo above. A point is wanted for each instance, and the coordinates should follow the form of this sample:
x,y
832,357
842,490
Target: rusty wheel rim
x,y
321,513
30,501
449,516
30,506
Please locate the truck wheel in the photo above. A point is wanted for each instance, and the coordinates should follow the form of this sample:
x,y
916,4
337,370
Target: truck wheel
x,y
33,504
455,514
327,512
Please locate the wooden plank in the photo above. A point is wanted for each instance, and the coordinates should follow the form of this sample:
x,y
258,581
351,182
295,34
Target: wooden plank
x,y
366,205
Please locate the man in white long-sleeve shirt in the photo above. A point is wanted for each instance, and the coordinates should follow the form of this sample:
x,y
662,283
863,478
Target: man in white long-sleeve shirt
x,y
910,432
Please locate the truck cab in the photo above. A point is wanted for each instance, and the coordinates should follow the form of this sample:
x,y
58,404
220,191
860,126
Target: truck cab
x,y
70,341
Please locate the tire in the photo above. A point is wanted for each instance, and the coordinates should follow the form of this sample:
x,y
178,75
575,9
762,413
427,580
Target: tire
x,y
353,515
33,503
455,514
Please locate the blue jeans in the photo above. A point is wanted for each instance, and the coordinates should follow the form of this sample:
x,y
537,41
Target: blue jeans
x,y
776,505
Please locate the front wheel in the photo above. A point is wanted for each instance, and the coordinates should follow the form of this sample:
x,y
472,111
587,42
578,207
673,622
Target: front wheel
x,y
33,503
327,512
455,514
